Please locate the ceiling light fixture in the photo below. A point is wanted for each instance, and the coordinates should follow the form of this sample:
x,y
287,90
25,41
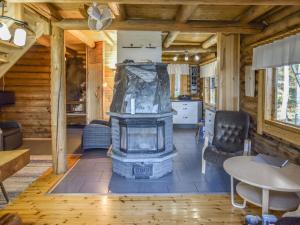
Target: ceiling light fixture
x,y
196,57
4,32
186,56
175,58
20,37
20,34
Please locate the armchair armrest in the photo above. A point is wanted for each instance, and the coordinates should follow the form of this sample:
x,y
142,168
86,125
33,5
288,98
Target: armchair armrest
x,y
10,124
209,137
247,147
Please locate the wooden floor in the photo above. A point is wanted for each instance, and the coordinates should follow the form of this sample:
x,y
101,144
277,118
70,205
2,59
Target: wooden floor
x,y
37,207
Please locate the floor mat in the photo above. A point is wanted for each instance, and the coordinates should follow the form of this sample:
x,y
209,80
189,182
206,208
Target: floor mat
x,y
17,183
93,174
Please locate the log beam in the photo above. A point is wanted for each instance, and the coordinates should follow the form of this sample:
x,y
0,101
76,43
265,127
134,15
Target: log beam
x,y
287,23
192,49
82,37
172,35
154,25
211,41
184,13
58,101
118,10
254,12
172,2
281,14
106,37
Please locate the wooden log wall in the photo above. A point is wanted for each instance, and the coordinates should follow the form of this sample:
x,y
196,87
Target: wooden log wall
x,y
262,143
29,78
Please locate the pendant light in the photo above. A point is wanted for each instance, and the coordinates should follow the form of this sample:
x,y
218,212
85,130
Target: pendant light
x,y
196,57
186,56
20,37
4,32
175,58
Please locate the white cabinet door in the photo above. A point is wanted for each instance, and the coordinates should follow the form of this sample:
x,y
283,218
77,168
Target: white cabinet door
x,y
187,112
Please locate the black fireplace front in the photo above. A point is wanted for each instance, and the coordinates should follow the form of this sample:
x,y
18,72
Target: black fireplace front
x,y
142,135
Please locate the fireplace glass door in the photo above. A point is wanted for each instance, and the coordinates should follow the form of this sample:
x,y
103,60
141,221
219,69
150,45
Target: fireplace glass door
x,y
141,136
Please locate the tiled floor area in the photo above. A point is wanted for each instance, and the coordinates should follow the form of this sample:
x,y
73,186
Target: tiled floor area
x,y
93,174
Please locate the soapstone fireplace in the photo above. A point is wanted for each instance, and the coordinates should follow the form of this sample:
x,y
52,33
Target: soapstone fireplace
x,y
142,127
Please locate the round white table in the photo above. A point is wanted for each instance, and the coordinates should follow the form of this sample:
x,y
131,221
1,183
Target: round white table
x,y
264,185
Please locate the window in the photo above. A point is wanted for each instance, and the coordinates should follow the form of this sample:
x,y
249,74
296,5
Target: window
x,y
287,95
278,112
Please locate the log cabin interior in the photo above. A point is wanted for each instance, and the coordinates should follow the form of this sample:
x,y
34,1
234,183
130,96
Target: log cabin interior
x,y
150,112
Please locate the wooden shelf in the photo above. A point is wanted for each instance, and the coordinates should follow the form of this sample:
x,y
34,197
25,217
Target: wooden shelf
x,y
282,201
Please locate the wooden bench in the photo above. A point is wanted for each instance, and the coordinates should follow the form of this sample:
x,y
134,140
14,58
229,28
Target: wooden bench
x,y
11,162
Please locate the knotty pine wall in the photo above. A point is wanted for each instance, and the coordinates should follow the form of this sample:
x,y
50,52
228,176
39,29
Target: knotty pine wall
x,y
29,78
110,59
262,143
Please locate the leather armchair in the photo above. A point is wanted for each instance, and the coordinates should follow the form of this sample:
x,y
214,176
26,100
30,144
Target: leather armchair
x,y
230,138
11,136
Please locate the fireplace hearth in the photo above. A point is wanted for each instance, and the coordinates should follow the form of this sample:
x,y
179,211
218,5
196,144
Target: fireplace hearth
x,y
142,127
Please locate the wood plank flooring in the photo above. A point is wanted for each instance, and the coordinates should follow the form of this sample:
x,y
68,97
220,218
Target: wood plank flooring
x,y
35,206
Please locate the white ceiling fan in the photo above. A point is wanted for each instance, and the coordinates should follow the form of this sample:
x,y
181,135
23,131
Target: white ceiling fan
x,y
99,17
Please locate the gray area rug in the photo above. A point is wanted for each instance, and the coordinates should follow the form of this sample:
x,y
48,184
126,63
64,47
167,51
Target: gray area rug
x,y
93,174
21,180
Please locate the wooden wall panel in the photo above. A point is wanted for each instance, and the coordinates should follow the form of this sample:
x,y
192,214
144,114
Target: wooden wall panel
x,y
110,58
94,92
261,143
29,78
228,51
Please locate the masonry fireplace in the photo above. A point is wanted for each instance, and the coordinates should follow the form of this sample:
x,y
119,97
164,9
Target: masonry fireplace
x,y
141,115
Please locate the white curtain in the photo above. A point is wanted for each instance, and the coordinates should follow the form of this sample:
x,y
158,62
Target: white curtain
x,y
279,53
178,70
208,70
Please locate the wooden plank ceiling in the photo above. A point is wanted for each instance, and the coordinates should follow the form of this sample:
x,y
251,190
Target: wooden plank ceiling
x,y
189,28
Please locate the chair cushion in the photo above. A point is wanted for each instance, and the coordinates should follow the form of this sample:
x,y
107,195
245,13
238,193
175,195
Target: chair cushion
x,y
230,130
213,155
9,131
